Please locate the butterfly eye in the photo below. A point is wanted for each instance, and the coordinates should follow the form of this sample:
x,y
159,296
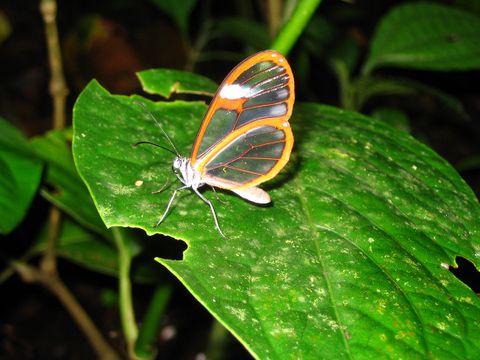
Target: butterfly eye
x,y
176,164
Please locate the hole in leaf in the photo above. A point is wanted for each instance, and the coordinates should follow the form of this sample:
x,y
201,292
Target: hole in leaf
x,y
466,273
165,247
144,266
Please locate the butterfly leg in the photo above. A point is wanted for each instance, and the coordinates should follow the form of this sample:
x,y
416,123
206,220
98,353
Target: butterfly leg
x,y
218,197
164,186
170,204
211,208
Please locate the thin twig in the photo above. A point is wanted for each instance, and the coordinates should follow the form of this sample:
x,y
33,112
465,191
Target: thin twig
x,y
58,87
58,92
274,16
30,274
201,41
48,264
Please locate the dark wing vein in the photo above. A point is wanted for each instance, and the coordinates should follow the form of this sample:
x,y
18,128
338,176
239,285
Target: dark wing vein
x,y
244,170
258,73
242,155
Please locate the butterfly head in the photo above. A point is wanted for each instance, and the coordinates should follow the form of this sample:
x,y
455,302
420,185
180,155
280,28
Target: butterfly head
x,y
177,164
179,167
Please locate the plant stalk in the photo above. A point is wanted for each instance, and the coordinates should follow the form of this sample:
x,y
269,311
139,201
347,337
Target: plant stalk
x,y
274,16
58,92
30,274
219,339
58,87
127,314
148,334
347,94
292,30
48,264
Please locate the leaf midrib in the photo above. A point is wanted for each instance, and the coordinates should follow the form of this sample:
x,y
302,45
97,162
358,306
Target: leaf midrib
x,y
376,264
314,235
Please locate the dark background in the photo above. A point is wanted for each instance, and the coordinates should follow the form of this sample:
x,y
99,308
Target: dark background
x,y
110,41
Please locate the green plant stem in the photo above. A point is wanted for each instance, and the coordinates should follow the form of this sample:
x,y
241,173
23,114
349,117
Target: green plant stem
x,y
151,323
53,283
127,314
200,42
347,96
219,338
294,27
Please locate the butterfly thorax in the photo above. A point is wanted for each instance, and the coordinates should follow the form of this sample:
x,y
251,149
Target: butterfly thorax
x,y
186,173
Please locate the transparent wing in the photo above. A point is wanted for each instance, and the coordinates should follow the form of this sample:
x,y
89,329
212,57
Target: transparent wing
x,y
249,158
259,88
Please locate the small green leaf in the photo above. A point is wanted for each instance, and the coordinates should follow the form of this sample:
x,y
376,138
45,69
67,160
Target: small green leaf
x,y
82,247
179,11
5,27
444,98
166,82
319,36
367,87
347,90
20,174
349,261
70,194
396,118
347,50
469,163
426,36
247,31
468,5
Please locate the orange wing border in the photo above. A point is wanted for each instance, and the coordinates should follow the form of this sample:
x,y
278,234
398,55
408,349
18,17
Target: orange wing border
x,y
218,102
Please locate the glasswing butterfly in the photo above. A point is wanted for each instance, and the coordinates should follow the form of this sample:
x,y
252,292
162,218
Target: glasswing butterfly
x,y
245,138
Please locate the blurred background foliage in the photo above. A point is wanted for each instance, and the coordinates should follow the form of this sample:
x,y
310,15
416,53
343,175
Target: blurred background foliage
x,y
359,55
112,40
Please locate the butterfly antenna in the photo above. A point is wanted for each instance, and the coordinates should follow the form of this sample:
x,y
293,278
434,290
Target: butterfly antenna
x,y
160,146
159,126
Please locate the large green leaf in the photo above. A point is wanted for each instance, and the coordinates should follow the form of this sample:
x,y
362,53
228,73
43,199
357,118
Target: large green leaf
x,y
20,174
350,260
426,36
166,82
